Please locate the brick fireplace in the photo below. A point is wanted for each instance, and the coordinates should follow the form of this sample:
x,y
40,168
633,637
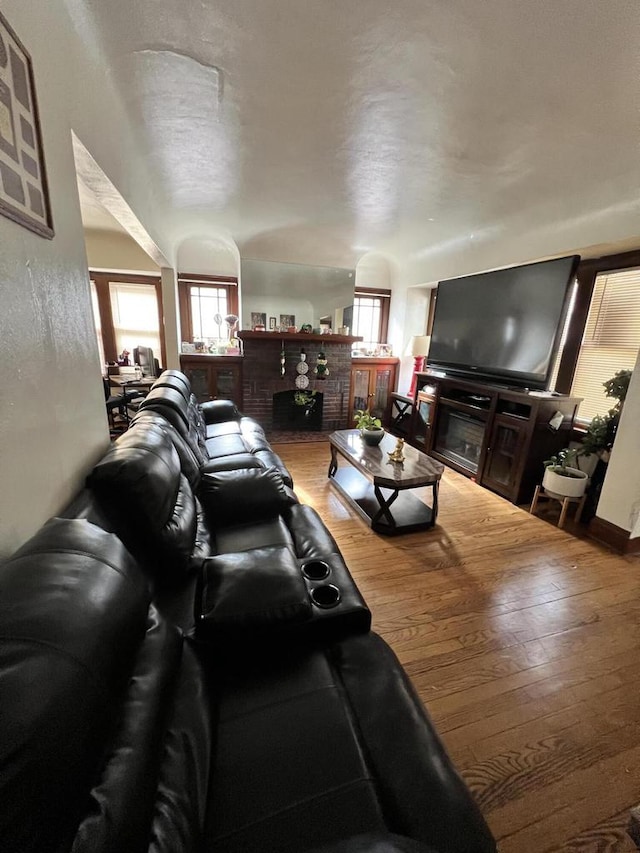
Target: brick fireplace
x,y
262,378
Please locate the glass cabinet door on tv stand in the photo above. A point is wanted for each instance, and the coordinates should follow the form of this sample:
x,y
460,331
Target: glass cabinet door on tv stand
x,y
422,436
505,454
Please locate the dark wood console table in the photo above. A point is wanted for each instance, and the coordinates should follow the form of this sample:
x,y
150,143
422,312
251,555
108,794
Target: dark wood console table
x,y
380,490
498,436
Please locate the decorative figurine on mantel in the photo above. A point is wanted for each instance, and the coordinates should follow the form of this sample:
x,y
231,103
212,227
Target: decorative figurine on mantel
x,y
396,455
321,370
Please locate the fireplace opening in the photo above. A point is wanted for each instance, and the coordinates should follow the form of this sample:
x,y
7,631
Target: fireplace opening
x,y
297,410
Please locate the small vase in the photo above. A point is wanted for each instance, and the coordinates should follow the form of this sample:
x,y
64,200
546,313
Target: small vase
x,y
372,437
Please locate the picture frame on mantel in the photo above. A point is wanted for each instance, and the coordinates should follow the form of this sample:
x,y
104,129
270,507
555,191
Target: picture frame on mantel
x,y
24,195
258,319
272,324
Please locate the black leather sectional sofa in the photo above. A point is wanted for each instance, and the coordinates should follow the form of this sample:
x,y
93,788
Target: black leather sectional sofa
x,y
186,665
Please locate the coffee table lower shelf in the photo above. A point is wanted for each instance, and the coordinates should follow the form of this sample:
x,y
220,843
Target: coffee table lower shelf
x,y
408,511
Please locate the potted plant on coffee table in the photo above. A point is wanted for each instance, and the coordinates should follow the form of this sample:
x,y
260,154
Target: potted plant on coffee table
x,y
370,427
561,478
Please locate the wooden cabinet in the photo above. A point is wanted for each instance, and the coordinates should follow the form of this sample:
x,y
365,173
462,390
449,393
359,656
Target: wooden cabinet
x,y
372,381
498,436
214,377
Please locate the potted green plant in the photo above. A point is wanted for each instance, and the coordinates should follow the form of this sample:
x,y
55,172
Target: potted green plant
x,y
561,477
602,429
370,427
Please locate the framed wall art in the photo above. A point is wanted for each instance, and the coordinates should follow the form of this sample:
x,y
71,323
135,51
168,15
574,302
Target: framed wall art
x,y
287,321
272,324
258,319
23,183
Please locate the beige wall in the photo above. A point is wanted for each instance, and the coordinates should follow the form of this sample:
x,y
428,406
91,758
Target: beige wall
x,y
620,497
52,417
113,251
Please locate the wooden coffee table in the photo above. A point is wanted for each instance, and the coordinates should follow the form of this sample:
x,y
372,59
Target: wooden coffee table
x,y
373,485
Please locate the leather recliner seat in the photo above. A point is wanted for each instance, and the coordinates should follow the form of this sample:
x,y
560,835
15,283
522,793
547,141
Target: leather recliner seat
x,y
167,683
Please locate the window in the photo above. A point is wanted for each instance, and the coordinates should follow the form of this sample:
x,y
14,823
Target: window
x,y
603,334
134,310
371,315
611,338
127,313
201,298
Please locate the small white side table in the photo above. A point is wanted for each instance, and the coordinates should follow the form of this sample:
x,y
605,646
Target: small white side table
x,y
562,499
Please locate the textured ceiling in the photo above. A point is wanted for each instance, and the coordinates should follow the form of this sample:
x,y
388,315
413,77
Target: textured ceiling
x,y
316,132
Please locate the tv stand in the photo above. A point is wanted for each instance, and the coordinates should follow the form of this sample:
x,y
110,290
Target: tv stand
x,y
499,436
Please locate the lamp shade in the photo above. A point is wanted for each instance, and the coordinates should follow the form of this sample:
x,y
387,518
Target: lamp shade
x,y
418,345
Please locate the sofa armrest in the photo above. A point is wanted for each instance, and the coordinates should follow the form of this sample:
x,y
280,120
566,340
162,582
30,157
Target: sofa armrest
x,y
242,495
422,794
217,411
250,595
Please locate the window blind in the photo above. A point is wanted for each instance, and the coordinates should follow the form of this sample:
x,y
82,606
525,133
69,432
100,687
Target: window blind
x,y
134,308
610,341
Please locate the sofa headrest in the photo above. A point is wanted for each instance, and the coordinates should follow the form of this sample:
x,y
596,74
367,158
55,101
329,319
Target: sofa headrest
x,y
73,612
138,478
176,380
170,403
189,463
150,502
175,374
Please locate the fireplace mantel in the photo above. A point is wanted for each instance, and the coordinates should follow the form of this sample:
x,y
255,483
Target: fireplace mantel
x,y
298,336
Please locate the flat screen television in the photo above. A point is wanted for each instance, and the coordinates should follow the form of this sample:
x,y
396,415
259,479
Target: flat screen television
x,y
503,326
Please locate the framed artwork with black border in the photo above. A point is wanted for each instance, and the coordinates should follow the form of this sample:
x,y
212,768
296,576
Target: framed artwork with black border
x,y
24,195
272,324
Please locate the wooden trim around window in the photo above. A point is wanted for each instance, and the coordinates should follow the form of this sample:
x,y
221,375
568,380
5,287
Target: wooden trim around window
x,y
385,300
184,303
588,269
102,281
586,280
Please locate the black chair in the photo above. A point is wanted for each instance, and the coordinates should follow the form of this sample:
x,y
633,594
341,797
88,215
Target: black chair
x,y
118,404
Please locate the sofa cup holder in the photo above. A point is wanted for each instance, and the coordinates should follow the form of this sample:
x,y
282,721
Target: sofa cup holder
x,y
325,596
315,570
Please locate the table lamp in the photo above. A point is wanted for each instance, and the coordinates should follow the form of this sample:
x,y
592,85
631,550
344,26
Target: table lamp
x,y
418,347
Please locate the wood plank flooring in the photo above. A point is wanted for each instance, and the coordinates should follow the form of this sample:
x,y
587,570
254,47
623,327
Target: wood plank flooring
x,y
524,644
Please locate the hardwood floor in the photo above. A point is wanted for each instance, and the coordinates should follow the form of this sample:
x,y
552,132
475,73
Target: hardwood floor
x,y
523,642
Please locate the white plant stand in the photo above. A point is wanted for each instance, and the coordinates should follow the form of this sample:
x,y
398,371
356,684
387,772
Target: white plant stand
x,y
541,492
